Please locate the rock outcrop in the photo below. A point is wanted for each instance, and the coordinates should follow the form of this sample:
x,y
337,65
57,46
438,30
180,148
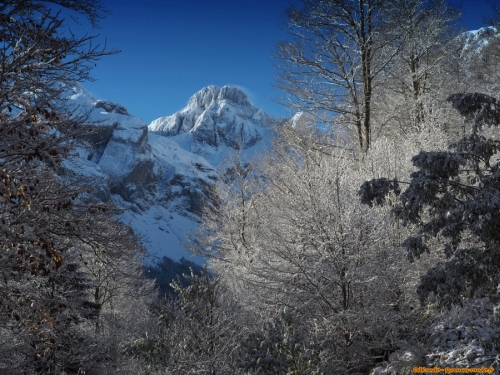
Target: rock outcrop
x,y
117,147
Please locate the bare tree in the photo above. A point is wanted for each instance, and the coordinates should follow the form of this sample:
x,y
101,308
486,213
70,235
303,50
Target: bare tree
x,y
331,65
411,91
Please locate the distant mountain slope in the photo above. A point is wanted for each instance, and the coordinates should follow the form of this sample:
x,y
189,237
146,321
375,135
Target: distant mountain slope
x,y
161,176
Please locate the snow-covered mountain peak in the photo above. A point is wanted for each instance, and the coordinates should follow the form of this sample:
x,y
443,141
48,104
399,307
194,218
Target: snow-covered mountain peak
x,y
483,32
211,96
214,118
162,180
476,40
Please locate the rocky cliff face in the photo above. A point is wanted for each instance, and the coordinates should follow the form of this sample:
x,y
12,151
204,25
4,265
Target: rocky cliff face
x,y
117,148
161,175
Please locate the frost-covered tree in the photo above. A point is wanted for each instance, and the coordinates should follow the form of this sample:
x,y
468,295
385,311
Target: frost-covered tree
x,y
198,332
280,348
336,54
72,318
410,93
292,233
454,196
112,260
371,65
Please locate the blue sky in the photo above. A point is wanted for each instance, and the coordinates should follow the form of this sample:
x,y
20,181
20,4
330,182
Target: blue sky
x,y
173,48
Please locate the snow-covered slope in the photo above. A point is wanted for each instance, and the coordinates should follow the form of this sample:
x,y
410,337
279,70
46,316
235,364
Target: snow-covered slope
x,y
161,176
174,205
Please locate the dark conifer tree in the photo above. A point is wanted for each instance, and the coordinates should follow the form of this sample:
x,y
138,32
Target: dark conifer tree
x,y
455,195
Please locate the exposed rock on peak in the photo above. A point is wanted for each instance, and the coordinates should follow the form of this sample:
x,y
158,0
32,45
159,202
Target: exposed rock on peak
x,y
118,147
212,95
111,107
235,96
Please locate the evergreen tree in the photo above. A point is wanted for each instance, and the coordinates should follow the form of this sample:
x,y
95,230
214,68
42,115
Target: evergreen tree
x,y
454,196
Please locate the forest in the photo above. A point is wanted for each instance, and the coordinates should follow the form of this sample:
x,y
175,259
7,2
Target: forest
x,y
366,240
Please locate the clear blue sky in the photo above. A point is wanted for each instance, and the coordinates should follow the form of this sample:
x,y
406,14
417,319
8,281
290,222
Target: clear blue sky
x,y
173,48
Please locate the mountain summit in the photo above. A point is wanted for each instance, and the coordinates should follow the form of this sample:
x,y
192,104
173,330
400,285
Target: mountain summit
x,y
211,95
213,118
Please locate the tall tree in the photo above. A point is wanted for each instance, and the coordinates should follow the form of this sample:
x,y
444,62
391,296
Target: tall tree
x,y
293,234
331,65
411,85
